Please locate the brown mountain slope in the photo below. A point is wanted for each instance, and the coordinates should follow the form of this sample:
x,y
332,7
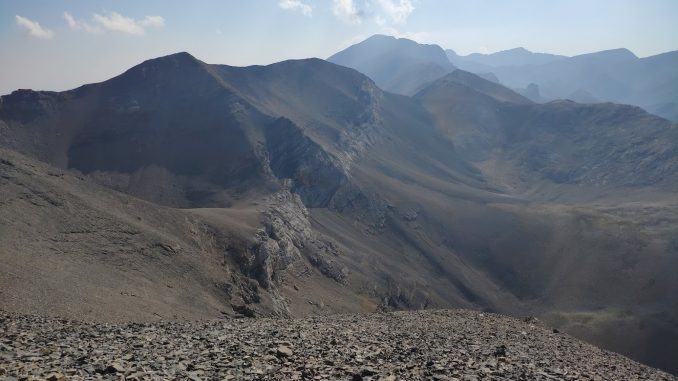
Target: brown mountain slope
x,y
165,131
389,210
73,248
562,142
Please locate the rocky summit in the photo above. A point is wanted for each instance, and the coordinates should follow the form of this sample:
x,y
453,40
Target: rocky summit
x,y
423,345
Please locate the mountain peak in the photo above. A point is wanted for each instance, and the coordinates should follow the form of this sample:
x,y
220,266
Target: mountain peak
x,y
519,49
180,58
615,54
178,69
382,40
183,55
477,84
397,65
382,37
622,51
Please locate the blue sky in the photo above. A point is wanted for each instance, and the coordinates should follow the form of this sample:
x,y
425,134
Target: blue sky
x,y
57,45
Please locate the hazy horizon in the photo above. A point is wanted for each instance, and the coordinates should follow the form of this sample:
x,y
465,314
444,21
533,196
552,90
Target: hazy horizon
x,y
62,45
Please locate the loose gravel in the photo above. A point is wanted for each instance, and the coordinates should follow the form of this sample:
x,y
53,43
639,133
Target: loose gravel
x,y
424,345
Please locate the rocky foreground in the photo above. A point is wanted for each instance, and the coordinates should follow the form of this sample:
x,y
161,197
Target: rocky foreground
x,y
427,345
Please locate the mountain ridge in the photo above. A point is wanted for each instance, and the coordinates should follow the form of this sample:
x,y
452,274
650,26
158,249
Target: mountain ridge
x,y
615,75
304,182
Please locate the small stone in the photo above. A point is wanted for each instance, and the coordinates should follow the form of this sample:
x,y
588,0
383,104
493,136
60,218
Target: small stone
x,y
56,377
137,375
283,351
368,372
114,368
500,351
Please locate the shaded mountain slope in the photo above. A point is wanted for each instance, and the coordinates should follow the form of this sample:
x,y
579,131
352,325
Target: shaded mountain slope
x,y
562,141
165,130
77,249
481,85
614,75
346,114
606,154
74,248
344,118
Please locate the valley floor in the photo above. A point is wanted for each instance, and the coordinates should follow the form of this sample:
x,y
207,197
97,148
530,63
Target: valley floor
x,y
431,345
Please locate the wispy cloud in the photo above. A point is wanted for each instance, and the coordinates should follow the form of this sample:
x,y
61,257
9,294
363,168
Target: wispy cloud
x,y
380,11
348,11
80,25
296,5
153,21
114,22
397,10
118,23
33,28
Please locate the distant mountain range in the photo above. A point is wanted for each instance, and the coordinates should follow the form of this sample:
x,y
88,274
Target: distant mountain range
x,y
513,57
190,190
617,75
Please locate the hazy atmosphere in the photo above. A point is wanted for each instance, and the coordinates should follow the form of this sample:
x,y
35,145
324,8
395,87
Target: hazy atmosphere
x,y
364,190
59,45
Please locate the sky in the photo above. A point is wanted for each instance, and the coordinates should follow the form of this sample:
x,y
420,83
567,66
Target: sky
x,y
58,45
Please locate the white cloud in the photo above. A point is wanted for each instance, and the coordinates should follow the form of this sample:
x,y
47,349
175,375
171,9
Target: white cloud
x,y
119,23
296,5
33,28
379,20
71,21
379,11
347,10
115,22
397,10
153,21
80,25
